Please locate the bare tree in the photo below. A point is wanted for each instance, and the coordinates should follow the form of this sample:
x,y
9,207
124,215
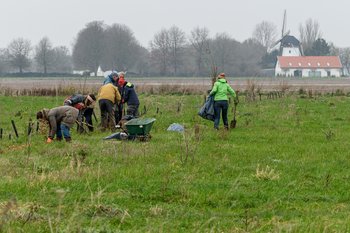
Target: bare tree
x,y
309,33
265,34
121,47
177,44
43,54
224,50
4,66
199,40
160,51
250,53
88,49
344,54
18,53
62,60
142,65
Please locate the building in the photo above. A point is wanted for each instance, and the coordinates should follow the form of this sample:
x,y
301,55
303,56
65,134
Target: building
x,y
292,63
308,66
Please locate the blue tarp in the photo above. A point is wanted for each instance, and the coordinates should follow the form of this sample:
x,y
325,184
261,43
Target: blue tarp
x,y
176,127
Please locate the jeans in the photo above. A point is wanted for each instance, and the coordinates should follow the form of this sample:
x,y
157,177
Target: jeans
x,y
220,105
62,128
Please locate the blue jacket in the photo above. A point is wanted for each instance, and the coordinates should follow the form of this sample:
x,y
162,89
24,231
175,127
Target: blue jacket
x,y
109,79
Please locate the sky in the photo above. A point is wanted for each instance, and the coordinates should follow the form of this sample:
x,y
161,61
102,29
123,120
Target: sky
x,y
61,20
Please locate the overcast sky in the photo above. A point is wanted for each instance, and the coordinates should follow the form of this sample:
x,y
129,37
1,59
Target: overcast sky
x,y
61,20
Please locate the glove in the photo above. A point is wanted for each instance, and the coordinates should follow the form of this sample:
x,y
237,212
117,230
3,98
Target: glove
x,y
49,140
79,106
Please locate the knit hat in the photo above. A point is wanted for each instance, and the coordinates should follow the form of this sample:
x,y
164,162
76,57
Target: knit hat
x,y
221,75
42,114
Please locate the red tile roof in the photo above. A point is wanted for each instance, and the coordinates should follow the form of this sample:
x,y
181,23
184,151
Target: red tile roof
x,y
310,62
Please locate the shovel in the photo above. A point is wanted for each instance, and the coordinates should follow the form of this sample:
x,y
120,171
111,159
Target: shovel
x,y
233,123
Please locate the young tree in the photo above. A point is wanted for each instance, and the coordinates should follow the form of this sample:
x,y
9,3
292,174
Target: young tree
x,y
44,54
265,34
89,47
199,40
18,53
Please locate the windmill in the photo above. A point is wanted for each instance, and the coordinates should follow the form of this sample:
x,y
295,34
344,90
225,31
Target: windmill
x,y
283,34
289,45
284,25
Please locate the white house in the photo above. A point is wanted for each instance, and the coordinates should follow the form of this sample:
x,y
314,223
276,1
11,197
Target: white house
x,y
100,72
308,66
292,63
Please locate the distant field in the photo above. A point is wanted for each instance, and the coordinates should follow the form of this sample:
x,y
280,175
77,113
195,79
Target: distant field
x,y
285,168
265,84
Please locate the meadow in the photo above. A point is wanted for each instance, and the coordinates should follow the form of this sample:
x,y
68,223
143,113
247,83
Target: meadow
x,y
284,168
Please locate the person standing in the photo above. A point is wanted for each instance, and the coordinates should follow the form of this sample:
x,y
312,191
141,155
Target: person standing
x,y
85,105
220,91
130,97
108,97
60,120
120,107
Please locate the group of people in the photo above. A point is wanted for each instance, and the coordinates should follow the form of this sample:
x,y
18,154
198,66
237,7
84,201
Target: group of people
x,y
112,97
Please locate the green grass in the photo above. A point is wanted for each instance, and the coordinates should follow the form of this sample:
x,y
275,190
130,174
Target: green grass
x,y
283,169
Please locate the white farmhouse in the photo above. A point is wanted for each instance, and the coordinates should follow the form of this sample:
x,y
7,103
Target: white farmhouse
x,y
308,66
292,63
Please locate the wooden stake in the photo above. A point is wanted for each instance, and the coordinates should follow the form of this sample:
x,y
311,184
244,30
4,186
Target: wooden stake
x,y
14,128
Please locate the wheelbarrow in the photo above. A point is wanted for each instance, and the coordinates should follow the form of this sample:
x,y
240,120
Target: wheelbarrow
x,y
140,128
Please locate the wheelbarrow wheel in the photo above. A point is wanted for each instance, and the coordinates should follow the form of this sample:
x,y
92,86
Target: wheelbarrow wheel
x,y
145,138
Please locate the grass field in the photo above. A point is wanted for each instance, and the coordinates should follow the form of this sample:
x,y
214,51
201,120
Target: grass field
x,y
285,168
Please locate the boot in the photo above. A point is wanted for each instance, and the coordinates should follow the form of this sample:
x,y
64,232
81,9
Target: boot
x,y
69,139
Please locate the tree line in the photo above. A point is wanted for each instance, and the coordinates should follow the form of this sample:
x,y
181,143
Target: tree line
x,y
171,52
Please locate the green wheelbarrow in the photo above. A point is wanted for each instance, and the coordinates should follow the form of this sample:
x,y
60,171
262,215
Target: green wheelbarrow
x,y
140,128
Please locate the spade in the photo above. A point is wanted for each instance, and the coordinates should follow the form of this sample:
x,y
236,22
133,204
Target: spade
x,y
233,123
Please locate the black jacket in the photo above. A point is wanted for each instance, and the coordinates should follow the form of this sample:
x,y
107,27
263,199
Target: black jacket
x,y
129,94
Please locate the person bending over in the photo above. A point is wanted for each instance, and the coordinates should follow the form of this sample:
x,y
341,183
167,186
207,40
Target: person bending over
x,y
60,120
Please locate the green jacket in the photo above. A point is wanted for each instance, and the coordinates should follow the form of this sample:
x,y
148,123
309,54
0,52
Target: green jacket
x,y
221,89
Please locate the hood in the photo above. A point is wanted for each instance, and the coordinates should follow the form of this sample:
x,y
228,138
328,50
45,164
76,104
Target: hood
x,y
222,80
128,84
